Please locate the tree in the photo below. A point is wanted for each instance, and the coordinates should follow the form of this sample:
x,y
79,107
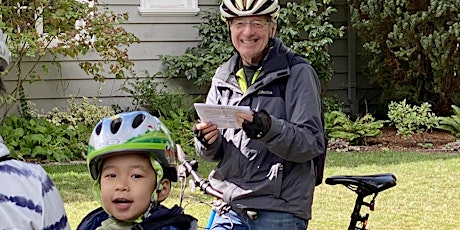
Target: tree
x,y
37,28
413,48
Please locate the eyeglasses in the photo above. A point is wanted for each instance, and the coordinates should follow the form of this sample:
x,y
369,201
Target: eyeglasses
x,y
257,25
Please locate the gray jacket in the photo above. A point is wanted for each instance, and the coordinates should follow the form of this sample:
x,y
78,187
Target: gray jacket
x,y
275,172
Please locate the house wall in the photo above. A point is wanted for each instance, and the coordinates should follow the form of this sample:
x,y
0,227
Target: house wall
x,y
172,35
349,83
159,35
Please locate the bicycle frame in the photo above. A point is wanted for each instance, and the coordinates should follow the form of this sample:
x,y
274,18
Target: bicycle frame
x,y
363,186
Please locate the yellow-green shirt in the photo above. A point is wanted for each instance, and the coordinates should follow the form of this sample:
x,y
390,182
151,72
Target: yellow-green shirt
x,y
241,78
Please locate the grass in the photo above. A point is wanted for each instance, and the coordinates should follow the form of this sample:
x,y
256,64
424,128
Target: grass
x,y
426,197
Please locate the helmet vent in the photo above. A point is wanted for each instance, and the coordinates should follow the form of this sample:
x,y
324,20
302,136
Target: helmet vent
x,y
98,129
115,125
138,120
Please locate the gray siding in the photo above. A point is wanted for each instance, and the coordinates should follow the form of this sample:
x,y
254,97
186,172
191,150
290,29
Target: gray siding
x,y
159,35
348,82
172,35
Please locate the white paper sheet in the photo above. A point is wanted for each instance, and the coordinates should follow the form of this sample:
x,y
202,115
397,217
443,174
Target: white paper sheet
x,y
221,115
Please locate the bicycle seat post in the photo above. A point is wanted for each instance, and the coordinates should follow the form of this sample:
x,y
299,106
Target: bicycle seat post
x,y
356,214
363,186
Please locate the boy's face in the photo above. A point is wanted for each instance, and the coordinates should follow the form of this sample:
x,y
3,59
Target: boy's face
x,y
127,184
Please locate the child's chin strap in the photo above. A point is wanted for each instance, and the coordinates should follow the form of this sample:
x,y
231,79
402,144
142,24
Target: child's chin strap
x,y
154,200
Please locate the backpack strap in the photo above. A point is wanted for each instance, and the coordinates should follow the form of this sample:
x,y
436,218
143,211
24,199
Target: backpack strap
x,y
320,160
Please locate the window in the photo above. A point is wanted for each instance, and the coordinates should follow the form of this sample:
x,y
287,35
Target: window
x,y
169,7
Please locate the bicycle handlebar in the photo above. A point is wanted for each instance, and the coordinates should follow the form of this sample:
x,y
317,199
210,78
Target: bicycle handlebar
x,y
187,168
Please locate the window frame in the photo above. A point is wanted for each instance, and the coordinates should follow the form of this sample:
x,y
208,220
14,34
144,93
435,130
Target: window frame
x,y
168,8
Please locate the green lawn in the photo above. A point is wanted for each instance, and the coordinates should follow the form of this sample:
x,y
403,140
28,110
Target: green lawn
x,y
427,195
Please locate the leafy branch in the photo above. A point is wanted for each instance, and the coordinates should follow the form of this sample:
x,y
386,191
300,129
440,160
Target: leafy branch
x,y
49,30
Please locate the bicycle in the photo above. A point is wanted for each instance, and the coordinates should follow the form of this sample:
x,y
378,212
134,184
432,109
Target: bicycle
x,y
362,185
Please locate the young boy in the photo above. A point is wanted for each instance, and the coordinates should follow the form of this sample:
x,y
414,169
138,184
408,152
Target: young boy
x,y
129,158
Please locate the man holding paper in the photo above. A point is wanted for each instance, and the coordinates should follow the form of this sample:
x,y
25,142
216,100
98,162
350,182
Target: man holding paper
x,y
265,164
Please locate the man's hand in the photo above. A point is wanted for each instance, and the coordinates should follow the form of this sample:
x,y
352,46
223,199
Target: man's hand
x,y
241,117
205,132
256,125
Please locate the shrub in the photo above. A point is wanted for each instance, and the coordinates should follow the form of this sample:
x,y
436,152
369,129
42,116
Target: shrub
x,y
339,126
199,63
305,28
410,119
155,97
181,130
86,112
452,123
413,48
79,118
38,139
332,104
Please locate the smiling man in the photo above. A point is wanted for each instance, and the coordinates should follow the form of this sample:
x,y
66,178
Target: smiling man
x,y
250,36
265,166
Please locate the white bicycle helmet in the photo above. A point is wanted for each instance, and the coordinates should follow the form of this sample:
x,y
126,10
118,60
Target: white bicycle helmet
x,y
136,131
240,8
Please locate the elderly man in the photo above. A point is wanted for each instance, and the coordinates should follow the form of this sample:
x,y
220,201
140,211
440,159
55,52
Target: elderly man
x,y
266,165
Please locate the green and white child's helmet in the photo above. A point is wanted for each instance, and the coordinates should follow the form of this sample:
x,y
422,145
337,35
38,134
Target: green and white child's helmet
x,y
130,132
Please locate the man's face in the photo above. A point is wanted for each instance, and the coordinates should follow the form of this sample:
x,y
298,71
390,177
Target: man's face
x,y
250,36
127,184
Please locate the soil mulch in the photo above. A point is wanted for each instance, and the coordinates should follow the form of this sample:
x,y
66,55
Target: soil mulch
x,y
431,141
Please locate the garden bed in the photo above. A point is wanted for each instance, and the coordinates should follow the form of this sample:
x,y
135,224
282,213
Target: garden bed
x,y
432,141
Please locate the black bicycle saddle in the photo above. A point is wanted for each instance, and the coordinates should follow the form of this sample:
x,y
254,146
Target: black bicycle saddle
x,y
365,184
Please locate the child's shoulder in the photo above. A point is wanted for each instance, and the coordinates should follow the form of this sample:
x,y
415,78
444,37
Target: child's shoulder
x,y
179,222
161,219
169,219
93,219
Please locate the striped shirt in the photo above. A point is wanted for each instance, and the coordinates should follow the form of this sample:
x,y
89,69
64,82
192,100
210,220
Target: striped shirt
x,y
28,197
